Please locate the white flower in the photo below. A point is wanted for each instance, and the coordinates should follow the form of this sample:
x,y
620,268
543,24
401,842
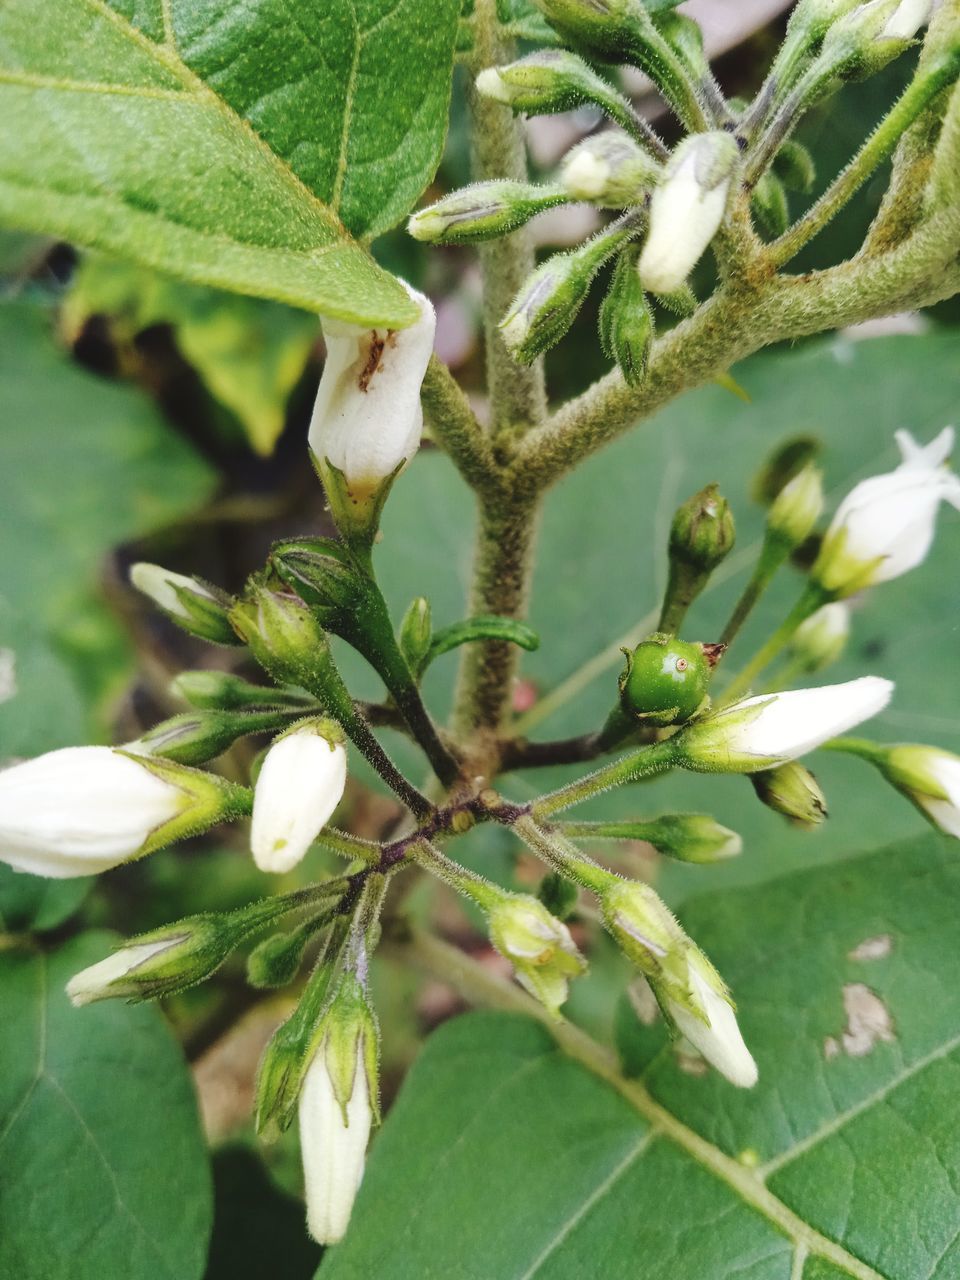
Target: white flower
x,y
907,19
719,1038
490,84
367,419
106,977
931,779
333,1152
686,209
81,810
885,525
764,731
301,782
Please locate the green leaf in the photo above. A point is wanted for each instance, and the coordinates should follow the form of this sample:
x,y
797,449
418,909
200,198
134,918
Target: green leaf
x,y
487,626
84,465
31,902
250,353
594,1180
226,141
105,1168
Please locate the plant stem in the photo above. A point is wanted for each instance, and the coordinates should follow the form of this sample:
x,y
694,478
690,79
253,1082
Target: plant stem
x,y
645,763
878,147
811,600
557,851
349,846
456,428
517,392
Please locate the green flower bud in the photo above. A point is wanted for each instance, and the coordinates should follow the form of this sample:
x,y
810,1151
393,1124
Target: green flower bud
x,y
551,297
539,946
793,164
545,82
198,736
416,632
786,461
602,28
558,894
703,531
791,789
796,509
821,638
928,776
326,576
665,680
483,211
219,691
865,39
276,961
170,959
284,637
769,205
689,837
686,37
610,170
626,322
194,605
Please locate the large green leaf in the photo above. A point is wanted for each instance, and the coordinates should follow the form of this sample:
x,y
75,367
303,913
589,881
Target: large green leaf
x,y
104,1172
227,141
601,567
515,1161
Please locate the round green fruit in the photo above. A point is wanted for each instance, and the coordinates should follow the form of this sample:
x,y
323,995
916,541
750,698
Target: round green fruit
x,y
665,681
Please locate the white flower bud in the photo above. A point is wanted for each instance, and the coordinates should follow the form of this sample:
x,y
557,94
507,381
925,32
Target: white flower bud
x,y
82,810
300,783
686,209
490,84
764,731
821,638
907,19
161,585
884,527
930,778
609,169
188,601
718,1035
367,417
333,1147
106,977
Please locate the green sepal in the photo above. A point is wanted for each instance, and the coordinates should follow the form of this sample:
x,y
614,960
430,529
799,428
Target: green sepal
x,y
198,736
415,634
207,800
769,205
207,618
221,691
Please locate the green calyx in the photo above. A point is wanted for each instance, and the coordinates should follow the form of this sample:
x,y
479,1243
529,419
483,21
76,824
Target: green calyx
x,y
665,680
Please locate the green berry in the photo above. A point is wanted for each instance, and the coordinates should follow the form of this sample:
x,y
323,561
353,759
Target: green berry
x,y
665,680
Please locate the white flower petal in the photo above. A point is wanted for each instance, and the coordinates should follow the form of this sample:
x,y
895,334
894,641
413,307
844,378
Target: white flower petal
x,y
367,418
721,1043
301,782
80,810
792,723
333,1153
92,983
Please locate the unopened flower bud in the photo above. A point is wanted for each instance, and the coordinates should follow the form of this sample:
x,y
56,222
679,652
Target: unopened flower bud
x,y
792,790
821,638
626,322
785,462
198,736
284,637
928,776
170,959
704,1015
192,604
690,837
768,202
558,894
797,507
551,297
324,574
276,961
545,82
794,166
416,632
907,19
300,784
82,810
703,532
687,208
686,36
539,946
367,418
601,27
865,39
884,527
220,691
665,680
610,170
483,211
764,731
